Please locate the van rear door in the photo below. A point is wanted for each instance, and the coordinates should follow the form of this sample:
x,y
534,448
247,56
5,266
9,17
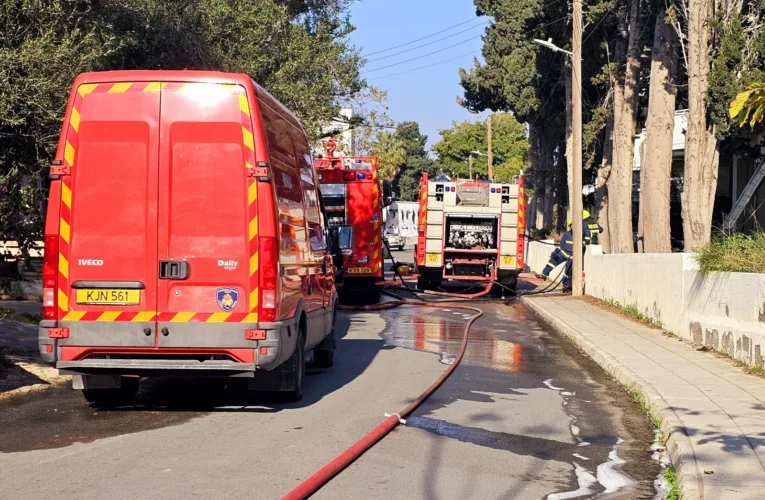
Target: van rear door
x,y
108,230
207,228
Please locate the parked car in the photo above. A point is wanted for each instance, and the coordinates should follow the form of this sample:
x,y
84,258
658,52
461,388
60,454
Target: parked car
x,y
184,237
395,241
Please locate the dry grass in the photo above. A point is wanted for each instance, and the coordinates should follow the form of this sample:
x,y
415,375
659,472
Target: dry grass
x,y
737,253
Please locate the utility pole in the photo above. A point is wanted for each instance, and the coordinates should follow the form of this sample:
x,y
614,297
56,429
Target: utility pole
x,y
576,112
488,143
470,166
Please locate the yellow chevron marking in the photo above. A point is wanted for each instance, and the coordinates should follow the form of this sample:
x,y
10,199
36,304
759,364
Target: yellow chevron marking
x,y
253,299
63,300
182,317
218,317
244,105
86,89
253,264
377,239
247,139
66,195
253,227
74,120
109,315
74,315
144,316
252,193
120,87
251,318
64,230
69,153
63,265
155,86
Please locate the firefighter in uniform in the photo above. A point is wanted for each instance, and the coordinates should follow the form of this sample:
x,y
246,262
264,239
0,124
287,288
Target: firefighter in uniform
x,y
561,254
591,228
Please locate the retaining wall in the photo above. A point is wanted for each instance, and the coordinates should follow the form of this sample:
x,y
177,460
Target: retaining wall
x,y
723,311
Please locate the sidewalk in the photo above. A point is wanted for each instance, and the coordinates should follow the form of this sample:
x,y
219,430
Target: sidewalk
x,y
712,412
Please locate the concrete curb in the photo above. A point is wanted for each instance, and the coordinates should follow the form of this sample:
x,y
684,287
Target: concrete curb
x,y
679,445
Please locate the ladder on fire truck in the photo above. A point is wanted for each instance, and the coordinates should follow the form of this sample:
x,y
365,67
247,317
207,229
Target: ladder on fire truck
x,y
746,195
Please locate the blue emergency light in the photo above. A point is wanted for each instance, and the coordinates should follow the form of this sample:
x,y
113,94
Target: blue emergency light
x,y
361,176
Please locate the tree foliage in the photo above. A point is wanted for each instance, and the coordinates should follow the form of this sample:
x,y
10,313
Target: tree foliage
x,y
297,49
417,162
749,105
458,143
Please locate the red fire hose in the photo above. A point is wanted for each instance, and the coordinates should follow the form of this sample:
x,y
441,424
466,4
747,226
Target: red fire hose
x,y
321,477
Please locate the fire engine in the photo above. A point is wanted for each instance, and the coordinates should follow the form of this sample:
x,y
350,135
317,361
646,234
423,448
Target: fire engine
x,y
353,202
470,231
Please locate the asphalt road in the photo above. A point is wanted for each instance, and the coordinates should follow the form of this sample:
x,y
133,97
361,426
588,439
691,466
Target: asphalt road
x,y
524,416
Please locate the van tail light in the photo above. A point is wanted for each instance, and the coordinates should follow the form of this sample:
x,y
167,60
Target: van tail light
x,y
269,277
349,175
50,276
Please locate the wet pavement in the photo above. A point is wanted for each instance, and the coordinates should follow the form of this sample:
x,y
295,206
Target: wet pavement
x,y
524,416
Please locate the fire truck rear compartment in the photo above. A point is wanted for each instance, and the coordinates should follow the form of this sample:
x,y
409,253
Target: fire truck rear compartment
x,y
470,249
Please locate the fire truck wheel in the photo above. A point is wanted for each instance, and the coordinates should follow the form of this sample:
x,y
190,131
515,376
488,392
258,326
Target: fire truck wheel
x,y
298,359
109,398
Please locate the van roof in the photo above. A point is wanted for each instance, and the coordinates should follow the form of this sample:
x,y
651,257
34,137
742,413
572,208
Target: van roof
x,y
186,76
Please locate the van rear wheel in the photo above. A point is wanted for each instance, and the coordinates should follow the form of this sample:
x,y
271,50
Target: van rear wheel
x,y
298,361
110,398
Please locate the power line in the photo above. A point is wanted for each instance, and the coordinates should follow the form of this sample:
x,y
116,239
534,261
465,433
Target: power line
x,y
456,44
426,44
420,57
424,37
426,66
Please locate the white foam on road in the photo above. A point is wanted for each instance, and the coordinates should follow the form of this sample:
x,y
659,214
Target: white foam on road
x,y
609,477
574,430
580,457
586,481
548,383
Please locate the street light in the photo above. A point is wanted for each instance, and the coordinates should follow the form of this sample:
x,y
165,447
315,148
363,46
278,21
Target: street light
x,y
576,133
548,43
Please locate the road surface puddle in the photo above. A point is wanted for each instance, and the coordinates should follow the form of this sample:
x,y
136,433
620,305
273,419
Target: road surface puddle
x,y
61,417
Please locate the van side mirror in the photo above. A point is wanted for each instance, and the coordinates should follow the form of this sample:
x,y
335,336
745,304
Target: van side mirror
x,y
387,201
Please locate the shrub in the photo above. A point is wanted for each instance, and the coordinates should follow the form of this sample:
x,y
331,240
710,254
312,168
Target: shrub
x,y
734,253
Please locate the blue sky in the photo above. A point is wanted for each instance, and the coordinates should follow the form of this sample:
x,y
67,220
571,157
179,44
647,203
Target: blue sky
x,y
428,95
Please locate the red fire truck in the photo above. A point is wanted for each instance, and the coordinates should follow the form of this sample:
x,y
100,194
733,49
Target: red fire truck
x,y
353,201
470,231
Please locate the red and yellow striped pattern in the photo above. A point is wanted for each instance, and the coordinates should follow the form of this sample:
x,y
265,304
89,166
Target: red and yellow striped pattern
x,y
252,202
377,254
422,225
70,159
521,240
177,317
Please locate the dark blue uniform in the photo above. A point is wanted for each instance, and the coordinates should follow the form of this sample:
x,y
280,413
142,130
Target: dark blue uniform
x,y
560,255
591,231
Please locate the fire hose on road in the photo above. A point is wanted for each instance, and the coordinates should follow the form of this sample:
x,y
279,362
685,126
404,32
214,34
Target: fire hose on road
x,y
321,477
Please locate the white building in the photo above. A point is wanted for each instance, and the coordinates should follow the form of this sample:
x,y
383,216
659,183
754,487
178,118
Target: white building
x,y
342,134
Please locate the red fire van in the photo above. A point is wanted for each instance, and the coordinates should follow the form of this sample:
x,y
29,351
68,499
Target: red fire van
x,y
184,236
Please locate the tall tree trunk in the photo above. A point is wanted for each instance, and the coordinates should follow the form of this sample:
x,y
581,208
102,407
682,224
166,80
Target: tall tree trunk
x,y
702,153
601,184
569,139
548,206
656,157
625,121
